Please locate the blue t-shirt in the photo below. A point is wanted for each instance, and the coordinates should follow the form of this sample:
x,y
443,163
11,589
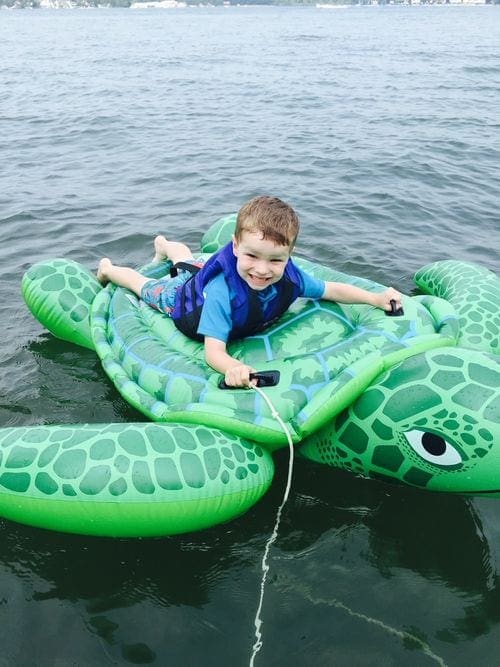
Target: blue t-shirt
x,y
215,320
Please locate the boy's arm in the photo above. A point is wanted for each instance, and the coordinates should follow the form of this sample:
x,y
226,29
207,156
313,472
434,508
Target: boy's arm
x,y
236,373
215,325
345,293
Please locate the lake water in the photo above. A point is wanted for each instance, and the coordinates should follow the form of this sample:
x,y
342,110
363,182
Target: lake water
x,y
381,126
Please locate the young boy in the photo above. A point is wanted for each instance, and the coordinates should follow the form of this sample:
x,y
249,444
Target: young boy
x,y
241,289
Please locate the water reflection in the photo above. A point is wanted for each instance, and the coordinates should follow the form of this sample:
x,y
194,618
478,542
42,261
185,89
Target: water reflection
x,y
436,535
66,383
134,600
404,573
416,566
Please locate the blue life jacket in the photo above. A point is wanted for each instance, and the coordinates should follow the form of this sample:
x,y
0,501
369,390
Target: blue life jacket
x,y
247,313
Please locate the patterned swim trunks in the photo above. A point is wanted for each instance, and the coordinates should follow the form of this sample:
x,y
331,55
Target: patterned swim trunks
x,y
160,294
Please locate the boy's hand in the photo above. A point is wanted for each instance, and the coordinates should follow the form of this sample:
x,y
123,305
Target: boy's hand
x,y
239,376
383,300
236,373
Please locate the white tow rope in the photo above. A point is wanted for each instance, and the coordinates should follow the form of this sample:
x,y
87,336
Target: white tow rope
x,y
265,566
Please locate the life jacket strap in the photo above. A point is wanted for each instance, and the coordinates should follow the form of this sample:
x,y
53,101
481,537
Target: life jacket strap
x,y
184,266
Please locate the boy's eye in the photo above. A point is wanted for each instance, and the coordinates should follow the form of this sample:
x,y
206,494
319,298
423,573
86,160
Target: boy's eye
x,y
277,261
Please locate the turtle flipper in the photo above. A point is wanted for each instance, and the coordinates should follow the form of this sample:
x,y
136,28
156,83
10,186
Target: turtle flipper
x,y
474,292
59,293
128,480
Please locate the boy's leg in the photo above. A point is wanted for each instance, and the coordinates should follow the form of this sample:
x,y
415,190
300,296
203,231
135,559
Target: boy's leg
x,y
121,276
172,250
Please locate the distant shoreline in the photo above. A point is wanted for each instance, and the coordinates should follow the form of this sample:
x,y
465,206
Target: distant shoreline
x,y
174,4
188,4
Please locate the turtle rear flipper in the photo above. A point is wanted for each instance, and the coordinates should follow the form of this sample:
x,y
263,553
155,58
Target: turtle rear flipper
x,y
59,293
474,292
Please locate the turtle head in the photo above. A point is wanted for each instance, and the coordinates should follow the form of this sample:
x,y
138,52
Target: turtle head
x,y
433,421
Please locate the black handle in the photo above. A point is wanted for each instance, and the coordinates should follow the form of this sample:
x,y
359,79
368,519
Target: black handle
x,y
264,379
395,311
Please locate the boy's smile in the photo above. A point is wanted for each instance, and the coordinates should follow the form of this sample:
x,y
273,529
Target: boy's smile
x,y
259,262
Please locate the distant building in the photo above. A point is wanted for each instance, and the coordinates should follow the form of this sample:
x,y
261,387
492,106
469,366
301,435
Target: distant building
x,y
161,4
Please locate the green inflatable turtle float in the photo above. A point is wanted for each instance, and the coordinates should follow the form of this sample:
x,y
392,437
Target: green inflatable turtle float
x,y
414,399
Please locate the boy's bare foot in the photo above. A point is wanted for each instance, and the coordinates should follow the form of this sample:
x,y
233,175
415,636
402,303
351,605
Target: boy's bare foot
x,y
161,246
102,270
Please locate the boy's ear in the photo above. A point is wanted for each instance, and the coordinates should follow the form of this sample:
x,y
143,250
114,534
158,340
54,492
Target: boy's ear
x,y
235,243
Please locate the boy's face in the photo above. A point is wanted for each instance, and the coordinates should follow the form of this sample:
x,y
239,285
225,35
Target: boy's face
x,y
260,262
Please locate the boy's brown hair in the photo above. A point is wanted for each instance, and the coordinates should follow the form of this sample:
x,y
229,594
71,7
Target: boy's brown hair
x,y
270,216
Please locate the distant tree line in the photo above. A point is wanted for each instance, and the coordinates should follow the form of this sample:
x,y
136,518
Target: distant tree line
x,y
33,4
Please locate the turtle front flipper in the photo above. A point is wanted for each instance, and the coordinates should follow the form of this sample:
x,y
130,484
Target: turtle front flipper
x,y
59,293
474,292
129,480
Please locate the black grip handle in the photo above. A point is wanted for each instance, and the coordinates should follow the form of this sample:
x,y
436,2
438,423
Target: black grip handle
x,y
395,311
264,379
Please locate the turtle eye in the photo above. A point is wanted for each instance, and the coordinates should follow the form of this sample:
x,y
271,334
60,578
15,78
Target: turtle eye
x,y
433,448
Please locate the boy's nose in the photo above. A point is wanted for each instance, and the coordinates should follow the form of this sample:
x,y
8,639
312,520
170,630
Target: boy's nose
x,y
261,268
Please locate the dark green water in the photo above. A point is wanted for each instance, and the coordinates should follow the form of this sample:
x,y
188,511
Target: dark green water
x,y
381,126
